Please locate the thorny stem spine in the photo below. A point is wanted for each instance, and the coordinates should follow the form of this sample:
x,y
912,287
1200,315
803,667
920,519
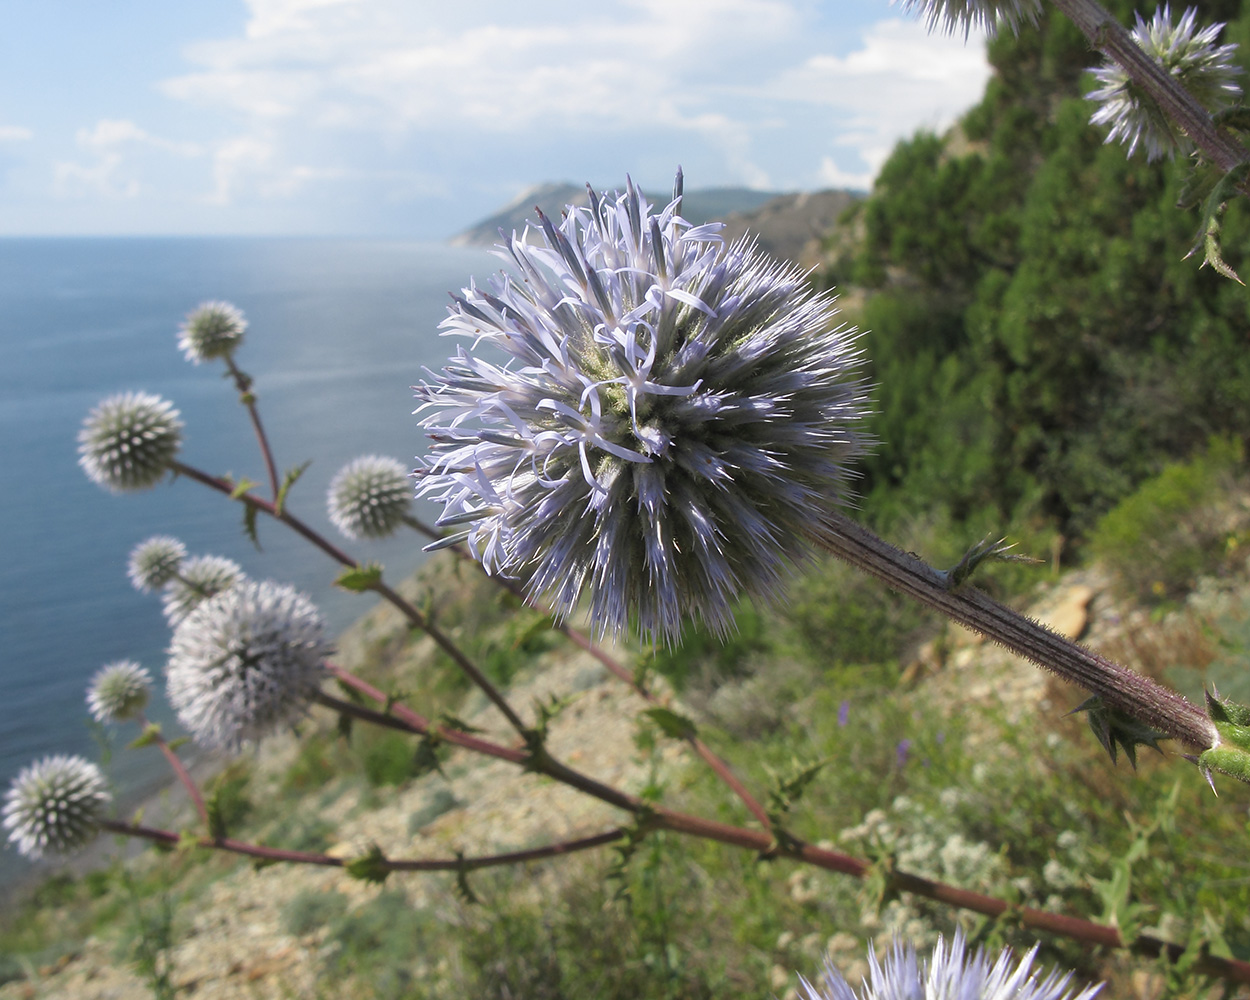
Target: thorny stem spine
x,y
716,763
1138,696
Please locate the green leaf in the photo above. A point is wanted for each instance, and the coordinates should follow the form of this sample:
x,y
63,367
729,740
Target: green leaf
x,y
343,728
426,757
289,480
243,486
179,742
672,723
358,579
1115,729
249,525
151,734
463,889
370,866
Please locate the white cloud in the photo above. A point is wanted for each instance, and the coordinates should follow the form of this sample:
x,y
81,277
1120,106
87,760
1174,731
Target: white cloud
x,y
119,147
15,133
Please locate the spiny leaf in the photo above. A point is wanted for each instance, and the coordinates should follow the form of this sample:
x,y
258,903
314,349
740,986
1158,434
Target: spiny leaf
x,y
788,787
1114,729
370,866
358,579
1209,226
289,480
672,723
426,757
463,889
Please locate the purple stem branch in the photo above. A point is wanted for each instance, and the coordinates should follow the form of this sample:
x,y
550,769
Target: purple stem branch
x,y
183,775
243,382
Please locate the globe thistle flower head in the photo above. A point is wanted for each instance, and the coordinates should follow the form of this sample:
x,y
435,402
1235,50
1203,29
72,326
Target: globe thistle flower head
x,y
962,16
53,806
245,662
213,330
950,974
677,419
198,580
129,440
1189,55
119,691
369,497
154,562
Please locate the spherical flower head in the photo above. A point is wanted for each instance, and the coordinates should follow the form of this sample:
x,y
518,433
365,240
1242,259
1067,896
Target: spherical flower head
x,y
119,691
951,974
1189,55
154,562
54,805
245,662
198,580
962,16
213,330
128,441
369,497
676,422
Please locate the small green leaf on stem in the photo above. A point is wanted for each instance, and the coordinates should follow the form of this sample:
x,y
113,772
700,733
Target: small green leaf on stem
x,y
358,579
243,486
1115,729
371,866
288,480
672,723
426,757
249,525
343,728
463,889
151,734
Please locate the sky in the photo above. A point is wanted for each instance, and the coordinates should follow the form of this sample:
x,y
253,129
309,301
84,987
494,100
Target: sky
x,y
414,119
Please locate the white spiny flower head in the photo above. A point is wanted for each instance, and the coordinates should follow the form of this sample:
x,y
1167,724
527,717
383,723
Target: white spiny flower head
x,y
127,442
54,805
950,974
369,497
212,331
154,562
1189,55
676,421
962,16
245,662
119,691
198,579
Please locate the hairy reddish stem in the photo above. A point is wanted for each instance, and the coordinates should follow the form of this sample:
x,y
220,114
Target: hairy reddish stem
x,y
184,776
243,382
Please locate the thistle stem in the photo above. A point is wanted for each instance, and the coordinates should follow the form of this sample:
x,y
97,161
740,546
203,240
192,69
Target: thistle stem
x,y
243,382
617,669
179,769
444,641
1121,688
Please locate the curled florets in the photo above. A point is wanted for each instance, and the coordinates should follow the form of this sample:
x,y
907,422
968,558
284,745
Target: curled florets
x,y
1190,56
119,692
964,16
198,579
677,421
54,806
128,442
950,974
245,662
154,562
212,331
369,497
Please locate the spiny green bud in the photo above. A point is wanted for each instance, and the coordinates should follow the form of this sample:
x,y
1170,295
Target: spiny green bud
x,y
128,441
369,497
153,563
119,691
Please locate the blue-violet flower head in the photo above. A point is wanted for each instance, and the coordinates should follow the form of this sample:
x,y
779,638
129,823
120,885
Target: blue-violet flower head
x,y
119,691
212,331
675,423
369,497
154,562
962,16
951,974
54,805
129,440
245,662
1191,56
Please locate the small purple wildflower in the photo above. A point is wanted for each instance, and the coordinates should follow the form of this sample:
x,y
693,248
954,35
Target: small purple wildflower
x,y
844,713
903,751
675,422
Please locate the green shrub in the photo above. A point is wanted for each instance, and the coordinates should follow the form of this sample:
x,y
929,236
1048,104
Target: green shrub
x,y
388,758
1176,526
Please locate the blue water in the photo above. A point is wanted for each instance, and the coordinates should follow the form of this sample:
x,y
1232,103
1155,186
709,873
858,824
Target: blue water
x,y
338,332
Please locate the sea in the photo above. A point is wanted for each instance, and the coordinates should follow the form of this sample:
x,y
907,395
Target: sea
x,y
339,331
